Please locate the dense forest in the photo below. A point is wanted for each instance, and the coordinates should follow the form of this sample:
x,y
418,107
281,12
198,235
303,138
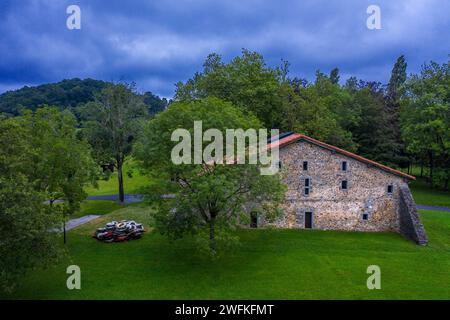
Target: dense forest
x,y
66,94
403,123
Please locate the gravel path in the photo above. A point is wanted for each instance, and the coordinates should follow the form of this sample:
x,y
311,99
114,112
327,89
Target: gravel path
x,y
129,198
424,207
73,223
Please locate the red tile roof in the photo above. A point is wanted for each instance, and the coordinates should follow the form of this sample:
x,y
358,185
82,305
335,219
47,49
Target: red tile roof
x,y
296,137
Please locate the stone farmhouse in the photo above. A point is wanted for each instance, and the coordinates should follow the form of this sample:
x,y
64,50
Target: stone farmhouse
x,y
333,189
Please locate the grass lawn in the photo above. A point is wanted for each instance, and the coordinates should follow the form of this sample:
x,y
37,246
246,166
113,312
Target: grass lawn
x,y
132,185
423,194
96,207
269,264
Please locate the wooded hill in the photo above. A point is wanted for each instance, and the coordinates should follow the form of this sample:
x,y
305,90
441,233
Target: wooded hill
x,y
70,93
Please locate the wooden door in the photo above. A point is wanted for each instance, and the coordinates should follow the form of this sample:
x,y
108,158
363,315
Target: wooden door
x,y
308,220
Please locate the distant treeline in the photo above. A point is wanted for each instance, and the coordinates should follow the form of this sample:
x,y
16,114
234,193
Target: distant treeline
x,y
402,123
66,94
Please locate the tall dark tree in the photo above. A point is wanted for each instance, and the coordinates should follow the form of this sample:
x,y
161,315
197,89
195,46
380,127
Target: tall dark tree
x,y
298,83
394,147
367,101
398,78
334,76
351,84
111,125
155,104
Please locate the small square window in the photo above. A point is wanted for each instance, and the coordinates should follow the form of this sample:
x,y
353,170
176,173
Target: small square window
x,y
365,216
344,184
306,191
305,165
344,165
390,188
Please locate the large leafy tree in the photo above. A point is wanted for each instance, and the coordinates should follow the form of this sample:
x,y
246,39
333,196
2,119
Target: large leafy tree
x,y
25,224
317,109
426,120
367,104
320,110
247,82
206,198
62,164
41,158
394,148
111,125
59,164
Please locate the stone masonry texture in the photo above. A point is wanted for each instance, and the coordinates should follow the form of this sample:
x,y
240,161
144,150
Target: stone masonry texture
x,y
368,204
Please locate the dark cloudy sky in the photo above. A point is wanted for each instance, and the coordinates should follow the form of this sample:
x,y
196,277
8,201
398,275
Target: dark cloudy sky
x,y
157,42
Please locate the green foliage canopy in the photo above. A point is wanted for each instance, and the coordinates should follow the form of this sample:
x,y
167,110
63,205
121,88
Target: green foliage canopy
x,y
111,124
205,198
426,120
41,158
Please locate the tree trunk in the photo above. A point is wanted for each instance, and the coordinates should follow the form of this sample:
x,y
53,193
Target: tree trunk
x,y
64,229
212,239
64,221
431,167
120,178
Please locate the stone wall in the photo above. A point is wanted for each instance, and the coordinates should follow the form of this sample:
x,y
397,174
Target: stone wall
x,y
331,206
410,224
